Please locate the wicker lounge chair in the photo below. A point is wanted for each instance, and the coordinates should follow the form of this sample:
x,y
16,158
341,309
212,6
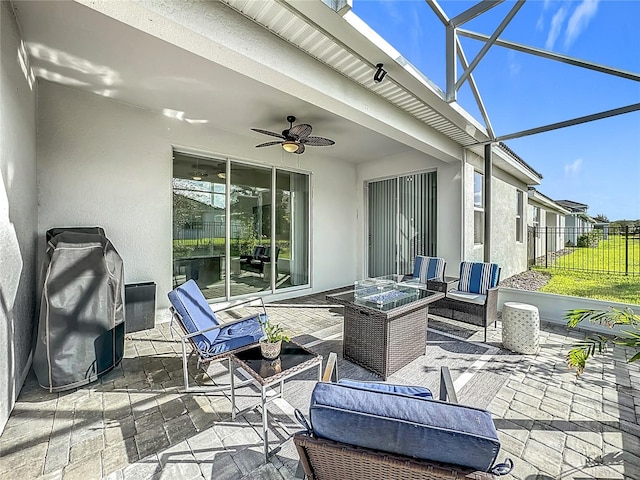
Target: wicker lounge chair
x,y
210,340
324,458
475,301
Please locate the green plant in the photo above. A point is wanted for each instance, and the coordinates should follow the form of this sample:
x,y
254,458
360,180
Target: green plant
x,y
578,356
273,332
589,240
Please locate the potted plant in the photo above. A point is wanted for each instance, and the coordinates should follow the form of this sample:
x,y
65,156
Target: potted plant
x,y
578,355
271,343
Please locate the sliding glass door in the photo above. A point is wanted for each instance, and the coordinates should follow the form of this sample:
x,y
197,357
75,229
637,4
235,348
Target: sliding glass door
x,y
401,222
239,229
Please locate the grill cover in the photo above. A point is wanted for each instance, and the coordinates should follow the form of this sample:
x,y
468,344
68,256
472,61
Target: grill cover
x,y
81,322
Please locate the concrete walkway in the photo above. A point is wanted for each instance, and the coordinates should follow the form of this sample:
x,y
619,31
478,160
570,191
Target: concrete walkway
x,y
136,424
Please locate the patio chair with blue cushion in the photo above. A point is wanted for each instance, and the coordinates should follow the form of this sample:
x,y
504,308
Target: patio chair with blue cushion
x,y
381,431
209,339
475,300
428,269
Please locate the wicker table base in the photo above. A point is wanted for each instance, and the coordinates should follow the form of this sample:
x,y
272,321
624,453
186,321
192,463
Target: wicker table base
x,y
384,345
384,340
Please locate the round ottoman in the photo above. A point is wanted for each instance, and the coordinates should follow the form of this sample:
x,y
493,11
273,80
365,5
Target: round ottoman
x,y
520,327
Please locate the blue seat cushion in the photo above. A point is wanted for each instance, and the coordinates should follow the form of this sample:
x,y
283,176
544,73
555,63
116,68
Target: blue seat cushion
x,y
477,277
405,425
196,315
235,336
411,390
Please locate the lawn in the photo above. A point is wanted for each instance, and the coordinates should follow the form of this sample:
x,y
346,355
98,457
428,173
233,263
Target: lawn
x,y
616,288
617,254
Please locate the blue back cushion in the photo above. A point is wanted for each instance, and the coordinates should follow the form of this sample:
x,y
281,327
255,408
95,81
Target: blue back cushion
x,y
428,268
405,425
477,277
411,390
188,301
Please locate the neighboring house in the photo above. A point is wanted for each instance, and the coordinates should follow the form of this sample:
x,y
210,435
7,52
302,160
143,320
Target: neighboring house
x,y
98,98
548,220
577,222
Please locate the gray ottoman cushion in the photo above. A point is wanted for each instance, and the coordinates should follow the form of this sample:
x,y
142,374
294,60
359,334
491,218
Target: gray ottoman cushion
x,y
406,425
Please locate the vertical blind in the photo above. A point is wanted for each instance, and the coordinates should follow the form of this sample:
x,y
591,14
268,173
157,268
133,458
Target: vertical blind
x,y
402,222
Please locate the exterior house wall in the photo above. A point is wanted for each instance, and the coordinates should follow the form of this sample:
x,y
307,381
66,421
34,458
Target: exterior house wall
x,y
115,170
449,235
508,253
18,200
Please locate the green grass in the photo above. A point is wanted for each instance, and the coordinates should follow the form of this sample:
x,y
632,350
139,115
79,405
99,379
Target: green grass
x,y
609,256
616,288
573,274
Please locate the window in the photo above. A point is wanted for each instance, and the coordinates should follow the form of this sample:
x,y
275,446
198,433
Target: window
x,y
536,221
519,213
264,241
478,208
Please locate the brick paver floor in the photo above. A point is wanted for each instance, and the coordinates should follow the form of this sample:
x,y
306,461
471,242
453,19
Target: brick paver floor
x,y
135,423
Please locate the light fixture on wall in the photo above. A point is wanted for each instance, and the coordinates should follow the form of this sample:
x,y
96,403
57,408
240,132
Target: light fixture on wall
x,y
291,147
222,175
380,73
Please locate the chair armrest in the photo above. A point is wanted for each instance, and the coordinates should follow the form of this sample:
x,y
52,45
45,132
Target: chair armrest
x,y
235,304
492,305
447,390
331,368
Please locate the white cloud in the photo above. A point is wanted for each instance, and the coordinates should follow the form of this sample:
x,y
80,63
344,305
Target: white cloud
x,y
572,169
556,27
579,20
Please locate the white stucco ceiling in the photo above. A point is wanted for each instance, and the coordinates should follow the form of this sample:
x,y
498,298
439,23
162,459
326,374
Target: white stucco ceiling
x,y
74,45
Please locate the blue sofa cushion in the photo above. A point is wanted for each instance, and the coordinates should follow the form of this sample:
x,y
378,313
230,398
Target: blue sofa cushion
x,y
411,390
477,277
405,425
428,268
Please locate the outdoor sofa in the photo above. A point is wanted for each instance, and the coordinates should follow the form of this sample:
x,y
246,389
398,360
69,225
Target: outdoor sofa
x,y
376,430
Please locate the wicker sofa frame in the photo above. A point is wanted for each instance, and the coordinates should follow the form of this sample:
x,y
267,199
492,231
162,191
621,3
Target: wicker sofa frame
x,y
324,459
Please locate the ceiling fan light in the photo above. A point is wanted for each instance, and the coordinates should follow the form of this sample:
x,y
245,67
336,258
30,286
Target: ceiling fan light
x,y
289,146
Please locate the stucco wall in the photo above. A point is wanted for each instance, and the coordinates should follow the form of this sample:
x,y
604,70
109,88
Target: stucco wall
x,y
448,201
505,250
17,215
114,170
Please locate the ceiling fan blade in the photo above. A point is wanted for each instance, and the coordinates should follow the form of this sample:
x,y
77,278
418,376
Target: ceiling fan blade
x,y
300,149
268,144
267,132
300,131
317,141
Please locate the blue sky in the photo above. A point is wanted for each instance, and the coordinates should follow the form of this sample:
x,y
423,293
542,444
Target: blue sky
x,y
596,163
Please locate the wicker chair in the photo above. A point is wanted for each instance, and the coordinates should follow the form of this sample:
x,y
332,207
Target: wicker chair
x,y
476,299
324,459
208,339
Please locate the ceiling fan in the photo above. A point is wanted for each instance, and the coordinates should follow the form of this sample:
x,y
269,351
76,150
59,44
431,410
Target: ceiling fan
x,y
295,137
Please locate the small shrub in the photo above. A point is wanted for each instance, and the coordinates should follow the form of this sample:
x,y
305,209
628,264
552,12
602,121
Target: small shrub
x,y
589,240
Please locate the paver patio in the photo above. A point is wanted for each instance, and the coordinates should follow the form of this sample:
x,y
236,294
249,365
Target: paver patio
x,y
136,424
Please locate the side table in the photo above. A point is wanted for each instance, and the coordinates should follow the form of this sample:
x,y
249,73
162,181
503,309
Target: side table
x,y
520,327
293,359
